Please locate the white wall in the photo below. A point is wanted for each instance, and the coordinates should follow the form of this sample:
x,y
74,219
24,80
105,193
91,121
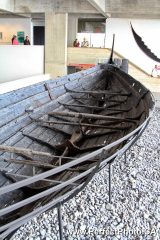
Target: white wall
x,y
125,43
10,26
18,62
21,83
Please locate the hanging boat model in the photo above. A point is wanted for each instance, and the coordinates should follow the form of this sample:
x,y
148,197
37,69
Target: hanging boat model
x,y
55,135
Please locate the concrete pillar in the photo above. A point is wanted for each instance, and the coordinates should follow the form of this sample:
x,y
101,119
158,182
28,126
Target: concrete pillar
x,y
72,29
56,44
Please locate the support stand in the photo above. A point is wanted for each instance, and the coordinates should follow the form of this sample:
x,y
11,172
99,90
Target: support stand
x,y
125,156
60,222
74,193
110,182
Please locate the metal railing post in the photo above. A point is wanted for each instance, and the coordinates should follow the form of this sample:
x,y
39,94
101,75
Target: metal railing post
x,y
110,169
60,222
125,156
59,161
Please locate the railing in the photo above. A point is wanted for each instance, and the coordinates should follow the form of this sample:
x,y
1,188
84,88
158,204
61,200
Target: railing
x,y
100,60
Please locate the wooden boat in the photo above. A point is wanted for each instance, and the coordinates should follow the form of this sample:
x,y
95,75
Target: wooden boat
x,y
56,134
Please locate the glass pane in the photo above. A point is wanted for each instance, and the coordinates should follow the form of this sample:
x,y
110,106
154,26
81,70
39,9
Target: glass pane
x,y
98,40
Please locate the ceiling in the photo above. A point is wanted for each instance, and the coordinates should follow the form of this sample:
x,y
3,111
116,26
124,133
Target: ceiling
x,y
136,9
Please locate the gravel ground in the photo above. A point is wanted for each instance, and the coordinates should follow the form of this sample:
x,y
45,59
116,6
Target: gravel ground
x,y
135,209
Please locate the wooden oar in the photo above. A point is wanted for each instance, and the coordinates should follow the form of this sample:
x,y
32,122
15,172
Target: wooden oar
x,y
88,116
99,100
95,107
81,124
100,92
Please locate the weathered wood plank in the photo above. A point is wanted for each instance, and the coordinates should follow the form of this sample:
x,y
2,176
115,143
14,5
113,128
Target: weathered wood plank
x,y
9,98
18,109
10,128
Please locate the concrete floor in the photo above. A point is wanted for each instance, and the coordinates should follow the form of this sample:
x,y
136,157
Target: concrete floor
x,y
157,97
153,84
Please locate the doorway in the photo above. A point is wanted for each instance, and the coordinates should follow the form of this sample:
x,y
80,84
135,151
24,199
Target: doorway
x,y
38,35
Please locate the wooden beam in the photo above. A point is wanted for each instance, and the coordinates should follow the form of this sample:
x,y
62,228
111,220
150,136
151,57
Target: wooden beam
x,y
56,129
83,124
50,145
88,116
49,90
22,150
99,100
106,92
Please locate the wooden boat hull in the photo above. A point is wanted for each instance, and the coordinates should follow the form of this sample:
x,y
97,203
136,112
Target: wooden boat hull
x,y
55,135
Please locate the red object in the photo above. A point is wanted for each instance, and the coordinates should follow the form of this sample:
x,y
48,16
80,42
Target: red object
x,y
79,64
15,42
